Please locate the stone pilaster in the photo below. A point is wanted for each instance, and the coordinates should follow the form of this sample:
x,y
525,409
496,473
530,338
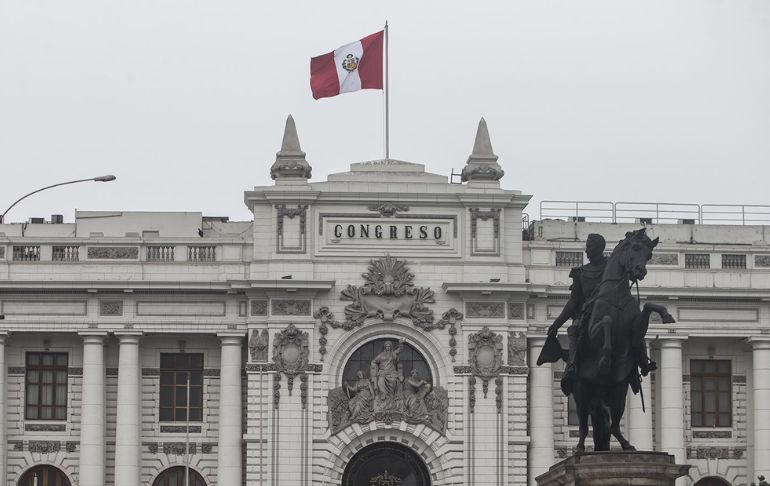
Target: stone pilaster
x,y
92,444
3,411
229,455
640,422
128,426
541,450
672,399
761,404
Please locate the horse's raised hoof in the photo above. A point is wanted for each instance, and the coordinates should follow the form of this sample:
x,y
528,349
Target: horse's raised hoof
x,y
667,318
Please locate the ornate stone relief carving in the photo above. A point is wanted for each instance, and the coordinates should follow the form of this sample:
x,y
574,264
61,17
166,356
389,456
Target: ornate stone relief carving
x,y
326,318
499,394
258,307
290,353
486,310
389,292
762,261
178,448
258,343
381,393
283,212
517,349
290,307
44,446
484,215
716,452
388,209
71,446
45,427
452,317
664,259
485,349
111,308
113,252
516,311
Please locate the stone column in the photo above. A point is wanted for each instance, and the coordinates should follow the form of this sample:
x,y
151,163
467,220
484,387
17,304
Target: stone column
x,y
761,404
92,443
541,449
128,425
229,455
672,399
639,422
3,401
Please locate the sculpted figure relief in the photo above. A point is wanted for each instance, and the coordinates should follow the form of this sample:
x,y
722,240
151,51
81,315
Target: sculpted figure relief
x,y
386,396
607,351
360,395
415,391
387,376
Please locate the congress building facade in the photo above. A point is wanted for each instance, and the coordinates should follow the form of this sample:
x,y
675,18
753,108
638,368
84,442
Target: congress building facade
x,y
379,328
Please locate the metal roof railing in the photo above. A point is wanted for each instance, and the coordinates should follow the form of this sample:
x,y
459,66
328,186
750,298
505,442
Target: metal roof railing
x,y
655,212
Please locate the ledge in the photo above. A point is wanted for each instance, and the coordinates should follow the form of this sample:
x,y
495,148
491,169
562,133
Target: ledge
x,y
488,288
284,284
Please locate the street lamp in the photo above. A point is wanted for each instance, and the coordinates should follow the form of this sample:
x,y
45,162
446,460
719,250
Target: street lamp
x,y
104,178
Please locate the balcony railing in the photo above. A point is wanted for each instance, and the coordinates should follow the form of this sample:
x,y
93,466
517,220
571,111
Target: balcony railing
x,y
26,253
201,254
65,253
655,213
160,253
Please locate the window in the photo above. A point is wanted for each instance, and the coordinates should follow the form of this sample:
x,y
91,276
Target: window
x,y
697,260
569,259
46,386
408,359
733,261
711,394
178,372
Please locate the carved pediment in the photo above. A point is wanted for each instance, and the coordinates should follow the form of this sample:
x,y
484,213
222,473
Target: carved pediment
x,y
388,292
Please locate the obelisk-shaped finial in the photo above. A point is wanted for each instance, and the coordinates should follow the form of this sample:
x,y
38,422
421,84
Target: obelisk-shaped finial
x,y
482,163
290,162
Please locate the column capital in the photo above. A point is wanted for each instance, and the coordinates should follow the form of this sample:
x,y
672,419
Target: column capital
x,y
759,342
671,340
93,336
231,337
128,336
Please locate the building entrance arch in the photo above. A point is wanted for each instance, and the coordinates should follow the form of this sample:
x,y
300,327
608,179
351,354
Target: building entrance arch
x,y
712,481
44,475
174,476
386,464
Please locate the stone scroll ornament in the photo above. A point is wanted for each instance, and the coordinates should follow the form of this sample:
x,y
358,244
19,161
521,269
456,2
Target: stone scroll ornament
x,y
290,353
388,292
381,393
485,349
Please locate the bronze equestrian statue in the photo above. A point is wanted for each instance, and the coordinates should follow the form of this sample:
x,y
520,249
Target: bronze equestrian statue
x,y
607,351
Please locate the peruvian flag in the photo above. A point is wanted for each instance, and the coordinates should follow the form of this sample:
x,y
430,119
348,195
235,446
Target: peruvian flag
x,y
354,66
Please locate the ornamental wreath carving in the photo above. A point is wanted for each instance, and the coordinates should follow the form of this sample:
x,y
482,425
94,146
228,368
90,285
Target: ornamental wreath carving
x,y
389,292
290,353
382,393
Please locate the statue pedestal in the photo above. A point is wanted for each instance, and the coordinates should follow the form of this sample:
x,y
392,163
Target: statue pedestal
x,y
615,469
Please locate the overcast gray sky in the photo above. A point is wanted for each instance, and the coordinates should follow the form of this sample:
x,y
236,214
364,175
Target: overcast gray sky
x,y
185,101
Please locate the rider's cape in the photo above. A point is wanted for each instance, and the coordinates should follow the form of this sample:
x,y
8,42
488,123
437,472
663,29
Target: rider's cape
x,y
552,351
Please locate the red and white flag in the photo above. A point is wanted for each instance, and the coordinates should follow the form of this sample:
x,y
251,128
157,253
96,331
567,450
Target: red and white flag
x,y
354,66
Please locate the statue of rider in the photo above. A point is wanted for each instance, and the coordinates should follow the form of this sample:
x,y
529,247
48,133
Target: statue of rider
x,y
585,281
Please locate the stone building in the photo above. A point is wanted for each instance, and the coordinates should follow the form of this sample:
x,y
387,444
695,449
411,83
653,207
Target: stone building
x,y
377,328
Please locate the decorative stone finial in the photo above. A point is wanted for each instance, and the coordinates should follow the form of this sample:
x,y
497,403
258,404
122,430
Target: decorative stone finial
x,y
482,163
290,161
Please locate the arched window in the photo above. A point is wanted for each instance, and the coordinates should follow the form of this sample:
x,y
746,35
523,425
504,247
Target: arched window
x,y
408,358
174,476
712,481
44,475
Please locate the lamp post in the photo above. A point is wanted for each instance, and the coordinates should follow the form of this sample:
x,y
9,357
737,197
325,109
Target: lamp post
x,y
105,178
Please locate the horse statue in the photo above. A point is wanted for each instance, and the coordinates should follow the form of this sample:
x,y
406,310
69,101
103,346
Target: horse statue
x,y
610,345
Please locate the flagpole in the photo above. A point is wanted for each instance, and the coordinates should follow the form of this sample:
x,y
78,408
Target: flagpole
x,y
387,108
